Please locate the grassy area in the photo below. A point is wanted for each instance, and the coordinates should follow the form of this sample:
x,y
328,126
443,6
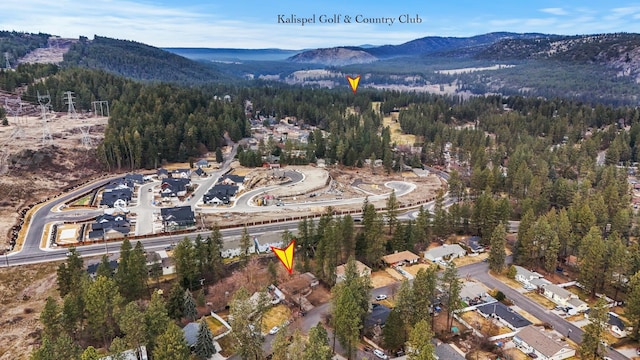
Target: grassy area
x,y
466,260
83,201
397,136
227,344
540,299
413,269
275,316
216,326
380,279
504,279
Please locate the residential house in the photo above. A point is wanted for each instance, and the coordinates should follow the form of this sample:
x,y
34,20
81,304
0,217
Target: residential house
x,y
177,217
377,316
109,198
578,305
298,288
363,270
474,293
190,333
172,187
162,173
533,340
133,354
109,226
181,173
202,163
504,314
445,252
557,294
220,194
401,258
525,276
135,178
615,325
92,269
161,257
446,351
474,244
232,180
200,172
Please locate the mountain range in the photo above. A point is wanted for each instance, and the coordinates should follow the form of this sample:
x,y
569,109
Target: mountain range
x,y
600,67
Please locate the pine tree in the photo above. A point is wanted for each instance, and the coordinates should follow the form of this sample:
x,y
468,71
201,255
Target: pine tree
x,y
171,345
392,211
71,274
394,331
186,265
346,317
104,268
424,291
318,345
419,342
591,347
245,246
246,328
190,311
101,301
156,319
497,254
592,260
280,346
204,347
214,253
452,287
51,319
175,305
632,310
90,353
129,321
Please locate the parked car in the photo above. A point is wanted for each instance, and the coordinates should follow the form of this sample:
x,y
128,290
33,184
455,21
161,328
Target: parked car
x,y
274,330
381,297
533,355
380,354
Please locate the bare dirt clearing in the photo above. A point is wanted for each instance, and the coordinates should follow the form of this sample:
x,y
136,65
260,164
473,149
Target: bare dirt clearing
x,y
23,291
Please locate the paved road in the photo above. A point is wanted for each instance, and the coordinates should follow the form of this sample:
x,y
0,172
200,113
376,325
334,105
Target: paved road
x,y
479,271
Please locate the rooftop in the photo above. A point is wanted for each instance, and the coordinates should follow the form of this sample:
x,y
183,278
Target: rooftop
x,y
400,256
538,340
505,313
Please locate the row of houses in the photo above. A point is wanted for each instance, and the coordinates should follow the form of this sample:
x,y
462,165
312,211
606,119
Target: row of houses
x,y
224,191
118,193
532,280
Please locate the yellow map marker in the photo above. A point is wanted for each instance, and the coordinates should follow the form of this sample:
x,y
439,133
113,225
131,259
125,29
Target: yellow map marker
x,y
353,82
286,255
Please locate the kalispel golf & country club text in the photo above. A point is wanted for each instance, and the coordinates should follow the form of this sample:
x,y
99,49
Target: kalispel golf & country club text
x,y
347,19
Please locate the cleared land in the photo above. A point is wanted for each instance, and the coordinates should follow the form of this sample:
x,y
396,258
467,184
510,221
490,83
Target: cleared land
x,y
381,279
276,316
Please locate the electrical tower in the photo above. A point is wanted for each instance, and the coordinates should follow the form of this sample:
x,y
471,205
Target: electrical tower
x,y
69,101
6,59
45,103
103,105
14,108
86,140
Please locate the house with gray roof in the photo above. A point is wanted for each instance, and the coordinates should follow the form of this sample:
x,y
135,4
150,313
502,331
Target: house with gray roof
x,y
525,276
446,351
504,314
445,252
533,340
558,295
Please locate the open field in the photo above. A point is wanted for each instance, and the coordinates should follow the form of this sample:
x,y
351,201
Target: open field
x,y
473,69
466,260
215,326
397,136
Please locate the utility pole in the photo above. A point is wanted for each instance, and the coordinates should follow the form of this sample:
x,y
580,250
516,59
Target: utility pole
x,y
45,103
71,112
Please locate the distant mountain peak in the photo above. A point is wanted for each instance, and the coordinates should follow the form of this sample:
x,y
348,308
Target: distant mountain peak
x,y
337,56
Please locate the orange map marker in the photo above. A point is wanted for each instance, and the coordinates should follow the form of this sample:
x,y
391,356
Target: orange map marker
x,y
353,82
286,255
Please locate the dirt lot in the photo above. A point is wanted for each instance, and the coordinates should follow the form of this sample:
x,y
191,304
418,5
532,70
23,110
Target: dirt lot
x,y
485,326
413,269
23,291
380,279
320,295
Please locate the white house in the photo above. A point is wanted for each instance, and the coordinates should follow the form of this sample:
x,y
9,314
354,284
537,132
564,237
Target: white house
x,y
445,252
557,294
525,276
532,340
363,270
137,354
578,305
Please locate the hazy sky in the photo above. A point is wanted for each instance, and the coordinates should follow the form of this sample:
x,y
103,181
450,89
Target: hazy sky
x,y
254,23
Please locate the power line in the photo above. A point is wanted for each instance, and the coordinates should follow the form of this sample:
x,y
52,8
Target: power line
x,y
45,103
104,105
71,112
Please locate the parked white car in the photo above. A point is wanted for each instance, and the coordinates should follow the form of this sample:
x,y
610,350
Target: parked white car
x,y
381,297
274,330
380,354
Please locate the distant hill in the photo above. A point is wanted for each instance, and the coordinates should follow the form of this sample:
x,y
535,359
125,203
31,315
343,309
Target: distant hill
x,y
422,46
137,61
18,44
336,56
232,55
619,51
